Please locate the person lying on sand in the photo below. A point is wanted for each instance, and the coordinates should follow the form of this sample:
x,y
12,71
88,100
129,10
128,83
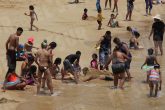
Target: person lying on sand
x,y
91,74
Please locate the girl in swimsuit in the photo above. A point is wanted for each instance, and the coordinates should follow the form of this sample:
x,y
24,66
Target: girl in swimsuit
x,y
32,15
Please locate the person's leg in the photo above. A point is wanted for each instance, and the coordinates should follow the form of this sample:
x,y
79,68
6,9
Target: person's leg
x,y
114,6
150,4
151,88
156,89
160,47
115,80
127,14
110,2
75,74
31,24
49,80
43,81
122,75
130,15
39,82
106,1
20,86
156,47
146,1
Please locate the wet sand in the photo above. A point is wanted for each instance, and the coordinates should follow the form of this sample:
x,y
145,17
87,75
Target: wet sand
x,y
61,22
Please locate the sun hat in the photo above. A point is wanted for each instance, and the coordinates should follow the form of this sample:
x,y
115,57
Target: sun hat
x,y
31,39
157,17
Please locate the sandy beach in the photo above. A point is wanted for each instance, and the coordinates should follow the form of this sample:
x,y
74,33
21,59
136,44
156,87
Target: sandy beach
x,y
61,22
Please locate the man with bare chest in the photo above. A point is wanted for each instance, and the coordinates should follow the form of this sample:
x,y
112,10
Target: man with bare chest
x,y
12,45
43,60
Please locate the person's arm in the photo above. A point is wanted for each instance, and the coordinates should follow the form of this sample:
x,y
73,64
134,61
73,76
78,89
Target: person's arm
x,y
156,61
50,56
116,15
152,31
36,15
17,43
144,63
98,43
22,67
28,14
127,49
125,56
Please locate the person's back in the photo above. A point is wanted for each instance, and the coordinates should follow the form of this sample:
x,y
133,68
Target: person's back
x,y
12,43
72,58
151,60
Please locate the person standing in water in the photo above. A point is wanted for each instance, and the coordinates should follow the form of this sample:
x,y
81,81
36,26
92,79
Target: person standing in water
x,y
12,46
32,15
123,47
106,2
105,49
158,29
43,59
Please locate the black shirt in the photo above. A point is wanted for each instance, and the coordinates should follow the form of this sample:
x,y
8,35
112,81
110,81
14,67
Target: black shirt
x,y
72,58
158,28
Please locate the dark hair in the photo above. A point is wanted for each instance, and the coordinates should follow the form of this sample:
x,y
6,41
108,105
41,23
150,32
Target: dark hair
x,y
128,28
85,10
57,61
116,40
108,32
33,69
112,15
20,29
94,56
137,34
53,45
150,51
31,7
78,53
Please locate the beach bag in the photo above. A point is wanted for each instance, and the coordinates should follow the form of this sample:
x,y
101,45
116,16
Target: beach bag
x,y
118,68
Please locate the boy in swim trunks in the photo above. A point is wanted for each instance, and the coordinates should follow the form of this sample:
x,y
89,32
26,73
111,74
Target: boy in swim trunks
x,y
12,45
33,16
155,80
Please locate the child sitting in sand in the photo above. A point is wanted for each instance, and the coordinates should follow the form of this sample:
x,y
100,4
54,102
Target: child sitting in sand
x,y
150,61
155,80
31,75
112,22
99,19
14,82
32,15
94,62
134,44
56,68
85,15
20,54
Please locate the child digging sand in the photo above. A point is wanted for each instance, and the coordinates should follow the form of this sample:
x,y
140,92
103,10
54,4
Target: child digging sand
x,y
99,19
112,22
32,15
155,80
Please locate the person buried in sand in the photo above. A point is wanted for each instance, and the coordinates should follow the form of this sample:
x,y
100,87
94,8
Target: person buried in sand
x,y
69,62
43,60
32,15
12,45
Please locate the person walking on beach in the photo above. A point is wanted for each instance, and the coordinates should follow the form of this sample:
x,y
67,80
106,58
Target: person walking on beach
x,y
105,49
106,2
115,6
99,19
123,47
32,15
12,45
158,29
148,7
43,59
130,6
118,66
